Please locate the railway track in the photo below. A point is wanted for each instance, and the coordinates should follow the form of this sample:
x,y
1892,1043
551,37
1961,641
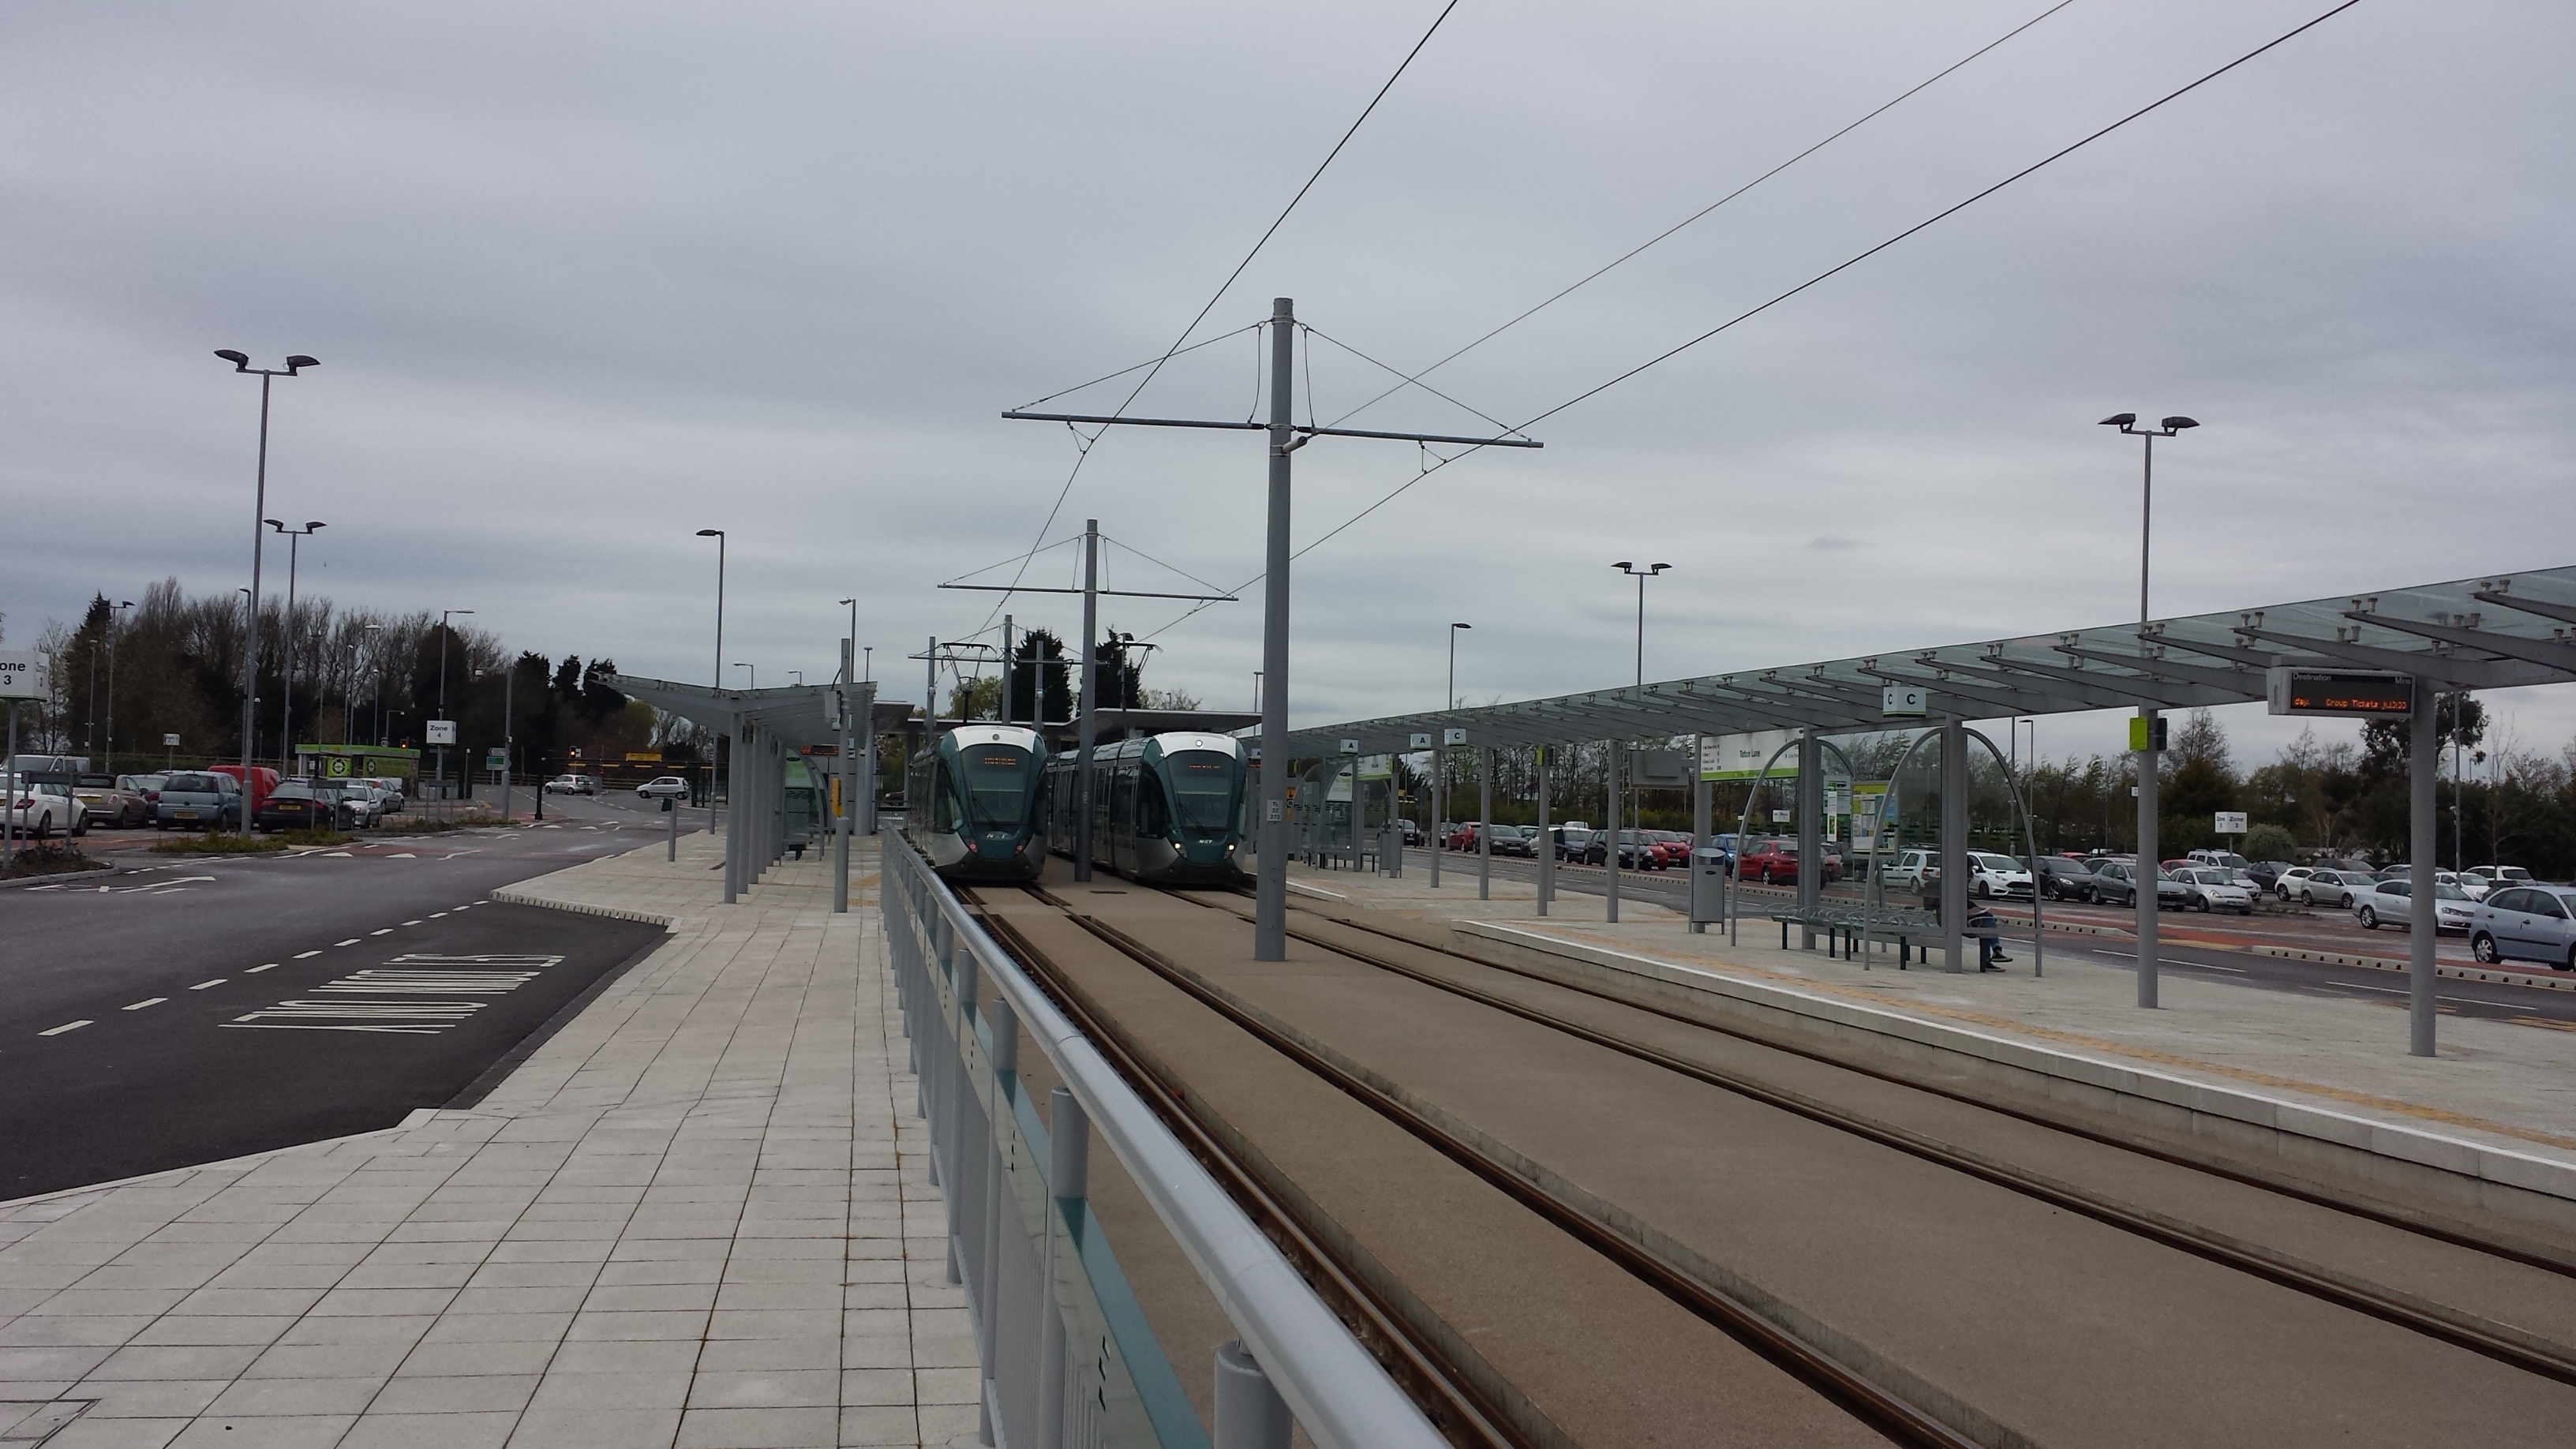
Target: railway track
x,y
1874,1392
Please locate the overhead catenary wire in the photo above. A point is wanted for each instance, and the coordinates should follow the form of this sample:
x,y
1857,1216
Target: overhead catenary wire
x,y
1083,453
1775,300
1685,223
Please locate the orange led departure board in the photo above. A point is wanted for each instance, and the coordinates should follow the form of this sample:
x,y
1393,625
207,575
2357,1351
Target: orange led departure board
x,y
2345,692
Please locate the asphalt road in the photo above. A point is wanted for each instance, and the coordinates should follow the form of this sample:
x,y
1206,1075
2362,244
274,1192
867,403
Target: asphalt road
x,y
2530,1006
195,1009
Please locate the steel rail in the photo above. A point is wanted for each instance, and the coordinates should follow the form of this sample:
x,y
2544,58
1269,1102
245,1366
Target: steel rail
x,y
1899,1419
2547,1259
2483,1336
1461,1412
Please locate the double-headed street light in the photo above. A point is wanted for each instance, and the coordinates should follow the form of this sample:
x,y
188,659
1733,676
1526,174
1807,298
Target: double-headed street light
x,y
259,511
2143,735
1440,761
1640,575
115,625
286,643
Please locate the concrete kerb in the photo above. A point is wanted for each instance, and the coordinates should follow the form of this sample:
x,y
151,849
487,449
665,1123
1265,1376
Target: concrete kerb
x,y
509,896
2452,1169
247,1161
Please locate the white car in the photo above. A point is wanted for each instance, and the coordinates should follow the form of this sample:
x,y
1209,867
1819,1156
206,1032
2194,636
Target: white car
x,y
38,809
1997,875
2214,888
664,787
2391,903
572,785
2337,888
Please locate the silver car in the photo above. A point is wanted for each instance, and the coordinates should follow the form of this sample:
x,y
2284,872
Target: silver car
x,y
2526,923
2391,903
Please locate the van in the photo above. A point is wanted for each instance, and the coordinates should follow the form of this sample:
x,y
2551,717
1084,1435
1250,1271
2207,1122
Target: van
x,y
2228,858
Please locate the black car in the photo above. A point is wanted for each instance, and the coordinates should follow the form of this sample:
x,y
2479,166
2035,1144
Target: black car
x,y
2064,879
1632,846
299,805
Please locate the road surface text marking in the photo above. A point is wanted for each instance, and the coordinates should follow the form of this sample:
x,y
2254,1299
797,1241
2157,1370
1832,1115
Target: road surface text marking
x,y
414,994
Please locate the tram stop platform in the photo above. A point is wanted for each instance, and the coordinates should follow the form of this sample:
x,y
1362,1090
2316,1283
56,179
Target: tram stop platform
x,y
2288,1076
699,1214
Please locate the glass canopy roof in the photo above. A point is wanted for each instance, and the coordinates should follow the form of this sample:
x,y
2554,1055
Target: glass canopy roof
x,y
2501,631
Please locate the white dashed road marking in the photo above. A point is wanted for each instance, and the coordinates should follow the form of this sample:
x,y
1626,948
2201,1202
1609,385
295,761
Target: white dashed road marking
x,y
353,940
255,970
411,923
202,985
387,931
59,1030
147,1001
300,955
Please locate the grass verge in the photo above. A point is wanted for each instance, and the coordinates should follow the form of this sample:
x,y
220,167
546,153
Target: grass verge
x,y
51,860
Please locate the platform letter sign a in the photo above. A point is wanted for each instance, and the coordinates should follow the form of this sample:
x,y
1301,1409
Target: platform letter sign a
x,y
1422,742
1902,701
1350,747
21,676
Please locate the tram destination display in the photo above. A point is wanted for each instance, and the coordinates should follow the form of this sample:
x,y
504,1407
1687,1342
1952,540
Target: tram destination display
x,y
2339,692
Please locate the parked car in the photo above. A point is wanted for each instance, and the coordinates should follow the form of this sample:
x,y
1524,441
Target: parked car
x,y
2525,923
2287,884
360,802
200,800
1910,868
39,808
2215,888
2267,873
1571,842
391,796
2391,903
2117,882
2337,888
262,780
1412,832
2500,875
1635,851
1772,862
571,785
2227,858
299,805
1520,840
664,787
2064,879
105,801
1992,875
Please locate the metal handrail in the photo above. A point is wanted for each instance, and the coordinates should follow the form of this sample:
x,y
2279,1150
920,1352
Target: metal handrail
x,y
1338,1393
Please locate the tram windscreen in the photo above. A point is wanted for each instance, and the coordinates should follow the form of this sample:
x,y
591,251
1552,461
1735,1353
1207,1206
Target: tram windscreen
x,y
997,784
1203,788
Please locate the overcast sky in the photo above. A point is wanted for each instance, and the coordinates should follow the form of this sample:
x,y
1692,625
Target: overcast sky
x,y
585,279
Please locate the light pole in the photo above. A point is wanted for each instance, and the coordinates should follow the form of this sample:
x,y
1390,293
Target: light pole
x,y
259,511
116,625
349,696
1440,761
2142,735
286,642
443,616
1640,575
715,817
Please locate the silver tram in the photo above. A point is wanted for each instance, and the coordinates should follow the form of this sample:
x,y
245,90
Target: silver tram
x,y
1167,807
972,802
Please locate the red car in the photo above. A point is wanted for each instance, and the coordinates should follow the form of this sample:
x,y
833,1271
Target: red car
x,y
1775,862
263,780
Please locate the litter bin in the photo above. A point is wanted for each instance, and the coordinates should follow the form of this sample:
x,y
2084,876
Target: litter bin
x,y
1707,885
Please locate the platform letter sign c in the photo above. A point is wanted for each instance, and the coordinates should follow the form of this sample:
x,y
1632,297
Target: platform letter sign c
x,y
1903,701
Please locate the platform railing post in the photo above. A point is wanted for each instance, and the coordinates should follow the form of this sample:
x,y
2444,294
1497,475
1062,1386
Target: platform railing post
x,y
1546,840
1068,1180
953,1109
1005,1059
1249,1412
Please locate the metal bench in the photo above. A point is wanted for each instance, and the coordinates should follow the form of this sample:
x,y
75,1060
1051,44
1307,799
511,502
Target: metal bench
x,y
1842,928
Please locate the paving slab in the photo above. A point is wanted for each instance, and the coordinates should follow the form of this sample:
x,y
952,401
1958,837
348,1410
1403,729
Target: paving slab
x,y
699,1213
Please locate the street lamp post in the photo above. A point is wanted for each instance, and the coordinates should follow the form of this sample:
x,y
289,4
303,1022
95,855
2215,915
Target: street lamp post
x,y
1640,575
715,817
2143,736
116,624
286,643
258,513
349,695
1440,760
443,616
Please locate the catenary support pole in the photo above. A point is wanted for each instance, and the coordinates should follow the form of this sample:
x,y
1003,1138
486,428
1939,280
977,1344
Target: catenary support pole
x,y
733,840
1270,906
1700,806
1610,835
1811,832
1439,801
1084,729
2423,768
1485,830
2148,871
845,764
1010,667
671,852
1954,844
1546,839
